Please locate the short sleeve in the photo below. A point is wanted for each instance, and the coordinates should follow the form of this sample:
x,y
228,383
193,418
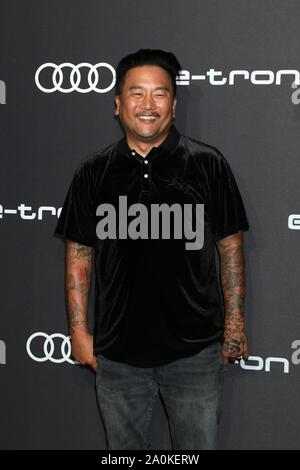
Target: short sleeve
x,y
228,214
77,220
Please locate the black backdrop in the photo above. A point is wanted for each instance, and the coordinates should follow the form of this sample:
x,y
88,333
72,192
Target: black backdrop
x,y
254,121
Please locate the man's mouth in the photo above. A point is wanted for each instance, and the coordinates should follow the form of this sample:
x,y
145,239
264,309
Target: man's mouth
x,y
148,117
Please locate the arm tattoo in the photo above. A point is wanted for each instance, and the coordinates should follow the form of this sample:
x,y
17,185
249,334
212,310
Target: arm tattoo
x,y
232,274
233,284
78,280
80,251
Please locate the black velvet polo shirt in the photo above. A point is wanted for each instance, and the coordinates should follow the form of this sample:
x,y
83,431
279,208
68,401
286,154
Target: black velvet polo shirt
x,y
155,301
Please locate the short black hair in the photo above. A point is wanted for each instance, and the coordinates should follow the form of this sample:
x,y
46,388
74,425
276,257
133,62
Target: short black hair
x,y
166,60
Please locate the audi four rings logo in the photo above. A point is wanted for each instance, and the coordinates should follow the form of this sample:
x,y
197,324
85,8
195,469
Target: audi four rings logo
x,y
93,77
49,348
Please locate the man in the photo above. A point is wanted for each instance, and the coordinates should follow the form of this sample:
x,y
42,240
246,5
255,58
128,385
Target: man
x,y
160,325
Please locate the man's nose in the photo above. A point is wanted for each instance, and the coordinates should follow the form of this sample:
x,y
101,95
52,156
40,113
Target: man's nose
x,y
148,102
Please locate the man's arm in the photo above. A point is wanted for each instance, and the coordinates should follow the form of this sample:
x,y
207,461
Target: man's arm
x,y
79,265
232,268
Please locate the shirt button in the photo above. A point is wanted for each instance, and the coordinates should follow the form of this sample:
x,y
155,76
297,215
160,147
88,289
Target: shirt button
x,y
146,162
132,153
146,175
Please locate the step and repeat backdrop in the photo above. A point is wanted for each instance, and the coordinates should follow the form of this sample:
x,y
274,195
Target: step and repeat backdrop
x,y
239,90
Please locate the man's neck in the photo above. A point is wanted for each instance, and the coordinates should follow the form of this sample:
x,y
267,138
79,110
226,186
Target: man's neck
x,y
143,148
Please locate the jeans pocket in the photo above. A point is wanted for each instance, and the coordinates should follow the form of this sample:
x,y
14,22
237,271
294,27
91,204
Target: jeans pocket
x,y
99,358
102,359
224,367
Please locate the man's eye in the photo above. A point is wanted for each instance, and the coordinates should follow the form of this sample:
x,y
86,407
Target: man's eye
x,y
137,93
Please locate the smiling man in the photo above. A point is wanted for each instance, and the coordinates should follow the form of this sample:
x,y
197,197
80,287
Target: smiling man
x,y
163,322
146,106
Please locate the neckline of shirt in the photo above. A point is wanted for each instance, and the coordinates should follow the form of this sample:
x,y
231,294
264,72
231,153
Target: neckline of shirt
x,y
169,145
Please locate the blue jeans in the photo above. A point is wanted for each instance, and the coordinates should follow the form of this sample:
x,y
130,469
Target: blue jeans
x,y
190,389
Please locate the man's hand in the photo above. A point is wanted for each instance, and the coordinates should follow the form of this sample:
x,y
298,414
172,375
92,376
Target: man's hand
x,y
235,347
82,348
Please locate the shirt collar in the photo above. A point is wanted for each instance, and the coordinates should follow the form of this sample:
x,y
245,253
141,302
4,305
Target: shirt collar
x,y
170,143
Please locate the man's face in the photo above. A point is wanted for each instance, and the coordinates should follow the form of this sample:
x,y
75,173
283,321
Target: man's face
x,y
146,105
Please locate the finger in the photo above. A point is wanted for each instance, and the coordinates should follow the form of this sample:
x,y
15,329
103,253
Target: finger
x,y
232,360
246,354
238,358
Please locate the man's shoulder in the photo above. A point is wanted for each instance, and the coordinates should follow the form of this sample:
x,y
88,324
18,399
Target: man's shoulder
x,y
201,149
97,159
99,156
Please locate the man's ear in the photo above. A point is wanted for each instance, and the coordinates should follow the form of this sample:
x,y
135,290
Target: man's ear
x,y
117,105
174,107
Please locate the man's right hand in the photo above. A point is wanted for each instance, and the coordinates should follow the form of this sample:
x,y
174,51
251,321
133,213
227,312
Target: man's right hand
x,y
82,348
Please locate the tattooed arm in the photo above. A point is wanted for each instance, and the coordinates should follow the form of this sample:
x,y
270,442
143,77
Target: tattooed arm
x,y
232,264
79,264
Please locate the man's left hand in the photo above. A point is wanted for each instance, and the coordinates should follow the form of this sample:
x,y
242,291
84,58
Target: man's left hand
x,y
235,347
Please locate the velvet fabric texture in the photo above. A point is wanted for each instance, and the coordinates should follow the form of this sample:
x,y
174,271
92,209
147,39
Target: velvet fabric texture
x,y
155,301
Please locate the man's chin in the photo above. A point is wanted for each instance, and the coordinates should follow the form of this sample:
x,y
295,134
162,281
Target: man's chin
x,y
147,136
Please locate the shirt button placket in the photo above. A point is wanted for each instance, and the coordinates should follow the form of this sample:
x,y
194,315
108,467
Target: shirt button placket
x,y
146,174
